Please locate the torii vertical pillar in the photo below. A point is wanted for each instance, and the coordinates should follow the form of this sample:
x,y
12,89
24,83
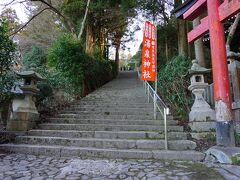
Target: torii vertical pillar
x,y
222,95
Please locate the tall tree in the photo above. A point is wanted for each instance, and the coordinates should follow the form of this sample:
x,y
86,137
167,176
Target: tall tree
x,y
104,22
159,12
182,33
104,19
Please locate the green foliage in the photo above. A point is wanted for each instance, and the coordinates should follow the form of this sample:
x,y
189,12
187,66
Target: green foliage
x,y
138,57
167,44
237,139
11,16
66,55
53,79
82,71
38,57
107,21
173,83
235,160
131,65
46,91
6,84
35,56
7,49
210,137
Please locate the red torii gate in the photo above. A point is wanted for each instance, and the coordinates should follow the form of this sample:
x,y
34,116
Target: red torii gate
x,y
217,13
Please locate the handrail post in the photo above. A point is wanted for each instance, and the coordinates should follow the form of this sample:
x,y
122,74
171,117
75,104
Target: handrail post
x,y
155,98
155,106
148,93
165,127
145,87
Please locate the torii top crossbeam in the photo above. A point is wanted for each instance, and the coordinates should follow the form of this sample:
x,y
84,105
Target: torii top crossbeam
x,y
192,9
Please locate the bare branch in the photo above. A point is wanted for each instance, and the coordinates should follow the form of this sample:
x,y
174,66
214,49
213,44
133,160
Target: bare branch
x,y
69,25
7,3
34,16
13,2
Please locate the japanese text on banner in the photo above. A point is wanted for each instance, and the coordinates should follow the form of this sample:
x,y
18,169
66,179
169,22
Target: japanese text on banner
x,y
149,52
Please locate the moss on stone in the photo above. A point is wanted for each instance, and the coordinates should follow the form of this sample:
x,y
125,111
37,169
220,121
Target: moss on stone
x,y
203,172
237,139
236,160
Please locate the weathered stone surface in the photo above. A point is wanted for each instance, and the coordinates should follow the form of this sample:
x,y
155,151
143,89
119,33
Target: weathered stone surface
x,y
203,126
202,135
106,169
223,155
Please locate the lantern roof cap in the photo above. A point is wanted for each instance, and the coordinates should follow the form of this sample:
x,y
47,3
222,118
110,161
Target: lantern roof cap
x,y
197,69
31,73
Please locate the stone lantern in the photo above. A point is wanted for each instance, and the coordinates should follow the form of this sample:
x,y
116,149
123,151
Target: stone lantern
x,y
202,117
24,113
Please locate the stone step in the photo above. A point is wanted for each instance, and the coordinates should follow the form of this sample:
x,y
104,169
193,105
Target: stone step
x,y
122,97
116,106
108,112
109,121
109,117
108,143
104,116
63,151
112,103
107,127
119,92
112,117
116,95
109,134
110,109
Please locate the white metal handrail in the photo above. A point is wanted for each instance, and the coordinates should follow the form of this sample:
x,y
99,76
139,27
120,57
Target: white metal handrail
x,y
158,104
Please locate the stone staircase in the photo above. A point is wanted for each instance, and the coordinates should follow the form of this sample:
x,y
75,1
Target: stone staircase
x,y
114,121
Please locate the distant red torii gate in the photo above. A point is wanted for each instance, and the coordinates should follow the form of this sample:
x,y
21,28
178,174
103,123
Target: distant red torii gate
x,y
217,13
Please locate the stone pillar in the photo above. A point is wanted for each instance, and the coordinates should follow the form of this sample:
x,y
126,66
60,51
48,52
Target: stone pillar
x,y
24,115
234,70
198,46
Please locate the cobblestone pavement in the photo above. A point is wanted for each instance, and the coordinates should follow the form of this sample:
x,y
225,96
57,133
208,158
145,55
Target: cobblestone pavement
x,y
24,167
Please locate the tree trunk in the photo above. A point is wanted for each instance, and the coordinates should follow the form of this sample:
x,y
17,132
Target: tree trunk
x,y
182,33
89,40
198,46
166,48
182,38
83,22
117,56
